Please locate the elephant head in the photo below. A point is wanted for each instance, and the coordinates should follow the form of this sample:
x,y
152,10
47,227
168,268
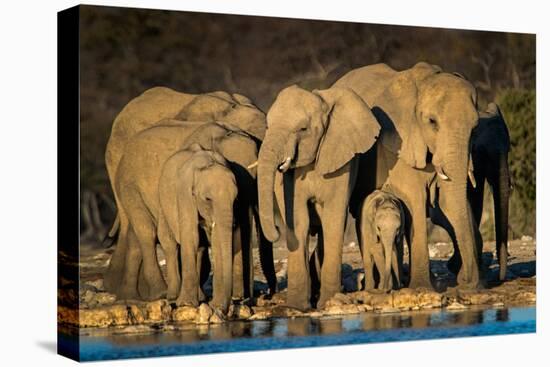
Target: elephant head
x,y
324,128
383,219
235,111
208,189
434,114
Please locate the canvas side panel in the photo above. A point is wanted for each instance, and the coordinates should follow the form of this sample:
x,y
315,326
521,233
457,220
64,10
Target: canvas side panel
x,y
68,182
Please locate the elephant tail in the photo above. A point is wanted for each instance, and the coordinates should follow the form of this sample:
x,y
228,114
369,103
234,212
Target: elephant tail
x,y
112,235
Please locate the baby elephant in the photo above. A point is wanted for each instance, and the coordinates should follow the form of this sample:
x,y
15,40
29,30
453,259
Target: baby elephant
x,y
382,228
197,190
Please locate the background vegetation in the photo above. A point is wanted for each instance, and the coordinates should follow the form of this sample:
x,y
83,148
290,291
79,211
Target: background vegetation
x,y
126,51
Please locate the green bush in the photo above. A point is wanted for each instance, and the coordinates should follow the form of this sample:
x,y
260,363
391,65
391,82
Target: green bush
x,y
519,110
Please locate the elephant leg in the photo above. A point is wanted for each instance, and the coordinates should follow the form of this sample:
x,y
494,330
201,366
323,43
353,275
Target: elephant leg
x,y
128,288
315,262
203,269
379,260
117,264
170,248
145,231
420,258
298,294
366,246
333,221
189,290
396,270
266,258
172,269
238,265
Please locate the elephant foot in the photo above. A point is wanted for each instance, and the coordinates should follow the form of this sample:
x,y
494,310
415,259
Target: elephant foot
x,y
421,284
128,294
154,292
222,305
301,305
187,301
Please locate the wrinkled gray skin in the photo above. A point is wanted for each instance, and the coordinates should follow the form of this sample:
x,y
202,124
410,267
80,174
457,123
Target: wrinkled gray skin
x,y
427,117
197,189
160,103
310,144
137,181
490,148
382,229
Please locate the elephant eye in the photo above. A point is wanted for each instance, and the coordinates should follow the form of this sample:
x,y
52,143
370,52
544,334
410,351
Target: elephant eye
x,y
433,123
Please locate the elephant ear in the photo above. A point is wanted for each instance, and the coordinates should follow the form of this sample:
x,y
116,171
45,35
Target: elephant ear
x,y
398,108
351,128
206,107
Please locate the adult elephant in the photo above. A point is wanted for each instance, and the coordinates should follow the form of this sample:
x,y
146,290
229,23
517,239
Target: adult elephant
x,y
153,107
160,103
427,117
137,191
310,144
490,148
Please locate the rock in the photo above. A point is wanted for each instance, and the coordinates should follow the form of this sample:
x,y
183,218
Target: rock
x,y
468,297
429,299
217,317
455,306
315,314
239,312
404,299
97,284
87,297
158,310
94,318
184,313
104,298
339,299
523,297
365,308
136,315
261,313
380,301
119,315
343,309
498,304
284,311
387,310
203,315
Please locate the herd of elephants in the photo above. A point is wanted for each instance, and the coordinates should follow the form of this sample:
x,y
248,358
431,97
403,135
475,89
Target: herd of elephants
x,y
211,173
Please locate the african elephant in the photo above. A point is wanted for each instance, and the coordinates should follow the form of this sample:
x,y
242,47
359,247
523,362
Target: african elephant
x,y
160,103
197,189
153,107
490,148
382,230
310,144
427,117
137,189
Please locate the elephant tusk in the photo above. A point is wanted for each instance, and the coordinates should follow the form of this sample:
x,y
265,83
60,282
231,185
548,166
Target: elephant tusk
x,y
472,178
252,165
285,165
213,224
441,173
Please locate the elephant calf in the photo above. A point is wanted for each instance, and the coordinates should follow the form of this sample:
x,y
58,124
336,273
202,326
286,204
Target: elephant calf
x,y
381,238
197,189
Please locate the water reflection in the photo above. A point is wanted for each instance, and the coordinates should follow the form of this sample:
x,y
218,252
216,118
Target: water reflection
x,y
302,327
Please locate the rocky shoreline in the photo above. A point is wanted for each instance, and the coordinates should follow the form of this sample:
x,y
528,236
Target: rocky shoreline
x,y
100,310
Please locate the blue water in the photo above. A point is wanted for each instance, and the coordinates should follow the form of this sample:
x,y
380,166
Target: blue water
x,y
306,332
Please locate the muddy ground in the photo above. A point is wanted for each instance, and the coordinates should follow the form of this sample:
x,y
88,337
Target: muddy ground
x,y
99,309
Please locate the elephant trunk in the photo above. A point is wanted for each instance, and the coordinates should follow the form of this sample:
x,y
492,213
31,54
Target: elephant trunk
x,y
388,241
271,158
454,192
222,251
501,196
